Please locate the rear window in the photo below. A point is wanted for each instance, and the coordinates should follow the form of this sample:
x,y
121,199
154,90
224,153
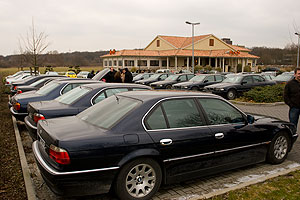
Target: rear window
x,y
109,111
73,95
47,88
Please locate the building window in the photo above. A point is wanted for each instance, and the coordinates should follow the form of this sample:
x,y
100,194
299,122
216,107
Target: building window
x,y
105,63
110,63
163,63
154,63
142,62
115,63
129,63
211,42
120,63
158,43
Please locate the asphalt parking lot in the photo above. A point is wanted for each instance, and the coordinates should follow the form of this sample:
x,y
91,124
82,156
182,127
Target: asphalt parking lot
x,y
195,189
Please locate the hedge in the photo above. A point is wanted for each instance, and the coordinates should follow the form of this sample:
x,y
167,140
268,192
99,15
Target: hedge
x,y
266,94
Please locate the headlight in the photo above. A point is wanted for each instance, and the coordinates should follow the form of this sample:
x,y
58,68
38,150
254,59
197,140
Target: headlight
x,y
185,87
222,89
160,85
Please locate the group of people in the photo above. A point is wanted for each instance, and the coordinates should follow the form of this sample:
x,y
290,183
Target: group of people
x,y
120,76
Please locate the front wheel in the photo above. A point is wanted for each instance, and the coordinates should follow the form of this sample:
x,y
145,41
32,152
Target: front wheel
x,y
278,149
195,88
138,180
231,94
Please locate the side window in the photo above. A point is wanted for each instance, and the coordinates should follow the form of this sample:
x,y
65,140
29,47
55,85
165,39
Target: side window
x,y
182,113
247,80
258,79
156,120
190,76
182,78
67,88
219,78
99,98
209,79
110,92
163,77
220,112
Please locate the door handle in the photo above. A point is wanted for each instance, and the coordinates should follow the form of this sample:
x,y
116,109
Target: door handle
x,y
165,142
219,135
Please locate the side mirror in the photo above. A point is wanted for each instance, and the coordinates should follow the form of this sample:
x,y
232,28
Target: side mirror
x,y
159,79
205,81
244,82
250,119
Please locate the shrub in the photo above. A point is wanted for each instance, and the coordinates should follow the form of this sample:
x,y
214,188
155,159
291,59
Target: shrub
x,y
133,69
208,68
218,69
247,68
267,94
239,68
198,68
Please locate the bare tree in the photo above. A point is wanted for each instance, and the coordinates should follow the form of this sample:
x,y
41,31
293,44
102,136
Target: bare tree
x,y
33,46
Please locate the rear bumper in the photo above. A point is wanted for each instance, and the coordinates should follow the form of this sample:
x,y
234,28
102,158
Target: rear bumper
x,y
74,183
32,129
18,116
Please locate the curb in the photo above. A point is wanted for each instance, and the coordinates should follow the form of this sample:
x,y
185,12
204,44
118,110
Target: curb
x,y
31,195
259,180
257,104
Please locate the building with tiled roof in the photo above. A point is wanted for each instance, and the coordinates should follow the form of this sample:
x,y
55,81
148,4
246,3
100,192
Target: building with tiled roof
x,y
173,52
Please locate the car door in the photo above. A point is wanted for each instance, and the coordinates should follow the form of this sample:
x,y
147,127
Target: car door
x,y
236,141
209,80
246,84
181,135
259,81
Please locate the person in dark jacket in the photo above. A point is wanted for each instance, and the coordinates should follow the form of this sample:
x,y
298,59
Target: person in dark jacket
x,y
292,97
117,76
128,76
91,74
111,75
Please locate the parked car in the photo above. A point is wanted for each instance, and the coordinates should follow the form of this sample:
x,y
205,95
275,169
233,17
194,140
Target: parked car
x,y
142,76
133,142
198,82
51,73
15,75
172,79
83,74
28,81
235,85
50,91
19,77
154,78
71,74
268,77
163,71
284,78
35,85
73,102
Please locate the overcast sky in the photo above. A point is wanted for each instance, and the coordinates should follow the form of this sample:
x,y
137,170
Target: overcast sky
x,y
93,25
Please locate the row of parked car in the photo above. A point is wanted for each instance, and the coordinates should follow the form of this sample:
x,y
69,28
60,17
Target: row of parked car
x,y
91,137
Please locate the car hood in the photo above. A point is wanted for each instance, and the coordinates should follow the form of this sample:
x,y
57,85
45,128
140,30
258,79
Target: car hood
x,y
221,85
67,131
163,82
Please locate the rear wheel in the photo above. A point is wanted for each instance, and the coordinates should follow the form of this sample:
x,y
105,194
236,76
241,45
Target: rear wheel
x,y
138,180
278,149
231,94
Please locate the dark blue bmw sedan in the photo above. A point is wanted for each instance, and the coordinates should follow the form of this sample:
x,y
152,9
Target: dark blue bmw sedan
x,y
48,92
73,102
133,142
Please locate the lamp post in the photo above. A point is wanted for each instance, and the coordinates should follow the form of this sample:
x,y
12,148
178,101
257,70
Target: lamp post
x,y
298,49
193,61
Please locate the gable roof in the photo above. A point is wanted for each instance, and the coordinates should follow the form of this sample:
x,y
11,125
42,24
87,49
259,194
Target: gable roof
x,y
180,42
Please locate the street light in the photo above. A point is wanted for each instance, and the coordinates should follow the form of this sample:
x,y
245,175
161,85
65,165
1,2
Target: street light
x,y
298,49
193,61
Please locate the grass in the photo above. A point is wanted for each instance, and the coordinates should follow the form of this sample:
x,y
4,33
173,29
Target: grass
x,y
282,187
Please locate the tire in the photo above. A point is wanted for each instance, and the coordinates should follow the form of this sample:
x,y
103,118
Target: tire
x,y
169,87
195,88
130,185
231,94
279,148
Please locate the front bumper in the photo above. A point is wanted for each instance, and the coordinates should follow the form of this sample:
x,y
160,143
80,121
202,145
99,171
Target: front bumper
x,y
74,183
17,115
32,129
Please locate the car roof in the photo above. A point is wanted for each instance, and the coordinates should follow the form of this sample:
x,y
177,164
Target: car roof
x,y
75,80
147,95
108,85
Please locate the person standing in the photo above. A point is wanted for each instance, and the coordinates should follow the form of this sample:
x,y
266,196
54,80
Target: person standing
x,y
291,97
91,74
128,76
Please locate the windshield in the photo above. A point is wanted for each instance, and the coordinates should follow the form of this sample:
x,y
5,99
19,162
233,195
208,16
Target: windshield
x,y
172,78
107,112
73,95
155,76
47,88
233,79
37,82
197,78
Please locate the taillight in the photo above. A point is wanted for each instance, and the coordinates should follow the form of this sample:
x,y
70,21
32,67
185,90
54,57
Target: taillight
x,y
59,155
15,87
19,91
7,82
17,106
37,117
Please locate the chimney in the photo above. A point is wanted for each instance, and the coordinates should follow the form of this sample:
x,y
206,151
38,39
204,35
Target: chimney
x,y
227,40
